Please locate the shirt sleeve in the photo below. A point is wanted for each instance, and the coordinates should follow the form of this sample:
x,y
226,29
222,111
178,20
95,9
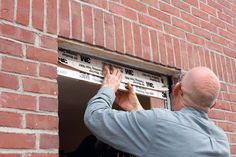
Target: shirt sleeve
x,y
130,132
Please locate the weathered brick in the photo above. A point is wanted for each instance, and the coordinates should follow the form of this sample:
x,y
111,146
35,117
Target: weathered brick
x,y
23,12
51,24
10,119
48,141
42,122
39,86
88,24
7,10
48,71
109,31
76,20
17,33
146,44
119,34
128,37
38,14
41,55
10,47
137,40
19,66
48,104
18,101
99,27
8,81
17,140
64,23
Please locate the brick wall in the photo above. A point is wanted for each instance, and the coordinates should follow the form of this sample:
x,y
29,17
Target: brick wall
x,y
175,33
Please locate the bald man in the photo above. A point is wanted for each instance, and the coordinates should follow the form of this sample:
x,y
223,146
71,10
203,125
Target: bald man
x,y
160,132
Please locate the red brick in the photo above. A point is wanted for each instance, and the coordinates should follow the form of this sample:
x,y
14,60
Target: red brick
x,y
119,34
49,42
8,81
217,114
38,14
207,57
229,52
99,27
214,46
224,17
191,54
7,10
48,141
219,64
168,8
41,55
217,22
234,69
19,66
201,56
226,34
227,126
146,44
51,16
153,3
201,32
76,20
149,21
230,116
109,31
174,31
190,18
16,33
162,48
154,43
181,24
208,9
128,38
43,122
229,70
10,155
192,2
159,15
17,140
123,11
232,138
224,68
219,39
10,119
48,71
233,149
64,22
135,5
101,4
224,105
177,53
23,11
10,47
213,63
208,26
48,104
180,4
137,40
232,29
194,39
200,14
185,55
169,50
39,86
18,101
215,5
88,24
41,155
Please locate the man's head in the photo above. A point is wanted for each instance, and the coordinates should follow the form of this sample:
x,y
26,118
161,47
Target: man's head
x,y
199,88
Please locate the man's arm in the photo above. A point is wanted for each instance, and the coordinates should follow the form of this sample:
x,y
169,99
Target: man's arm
x,y
127,131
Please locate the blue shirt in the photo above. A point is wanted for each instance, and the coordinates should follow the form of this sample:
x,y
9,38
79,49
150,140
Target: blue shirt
x,y
155,132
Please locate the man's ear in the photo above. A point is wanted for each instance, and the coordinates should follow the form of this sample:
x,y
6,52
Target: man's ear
x,y
176,89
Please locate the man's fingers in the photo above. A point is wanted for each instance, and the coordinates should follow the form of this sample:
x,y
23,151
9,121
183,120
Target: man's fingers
x,y
106,70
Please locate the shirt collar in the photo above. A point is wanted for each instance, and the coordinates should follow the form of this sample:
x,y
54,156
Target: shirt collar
x,y
194,111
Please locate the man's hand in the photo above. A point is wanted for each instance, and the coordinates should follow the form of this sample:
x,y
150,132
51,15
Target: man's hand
x,y
112,78
128,100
